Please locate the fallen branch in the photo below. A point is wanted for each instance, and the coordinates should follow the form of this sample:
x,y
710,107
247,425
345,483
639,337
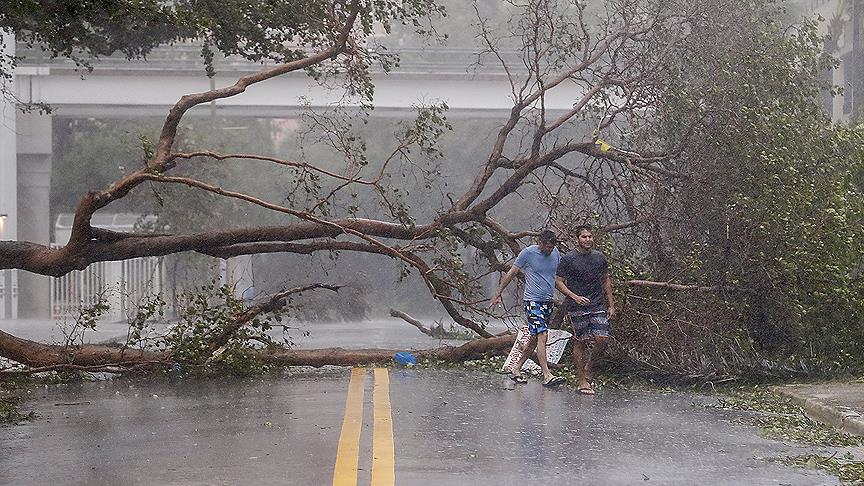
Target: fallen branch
x,y
410,320
275,303
668,285
39,355
355,357
44,357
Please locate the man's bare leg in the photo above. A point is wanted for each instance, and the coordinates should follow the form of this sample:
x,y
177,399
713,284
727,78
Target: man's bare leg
x,y
596,355
581,361
527,349
541,355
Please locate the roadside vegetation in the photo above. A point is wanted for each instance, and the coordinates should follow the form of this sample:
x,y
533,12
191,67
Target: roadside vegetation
x,y
779,418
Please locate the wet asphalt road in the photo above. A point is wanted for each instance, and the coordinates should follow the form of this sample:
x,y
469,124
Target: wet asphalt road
x,y
449,428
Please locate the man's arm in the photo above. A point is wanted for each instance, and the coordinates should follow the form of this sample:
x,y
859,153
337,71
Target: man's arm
x,y
503,285
561,285
607,289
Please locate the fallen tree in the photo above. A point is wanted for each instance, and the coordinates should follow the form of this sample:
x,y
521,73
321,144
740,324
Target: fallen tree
x,y
400,238
699,169
336,45
349,357
39,357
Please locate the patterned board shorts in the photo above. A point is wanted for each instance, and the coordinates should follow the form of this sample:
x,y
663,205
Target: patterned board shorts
x,y
538,314
588,326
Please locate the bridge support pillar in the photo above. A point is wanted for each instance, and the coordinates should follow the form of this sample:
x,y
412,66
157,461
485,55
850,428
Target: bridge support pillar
x,y
34,143
8,182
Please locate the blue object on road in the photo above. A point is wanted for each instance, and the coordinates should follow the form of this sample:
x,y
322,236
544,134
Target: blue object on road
x,y
405,358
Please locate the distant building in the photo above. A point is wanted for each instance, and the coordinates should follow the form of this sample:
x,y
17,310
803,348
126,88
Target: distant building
x,y
843,23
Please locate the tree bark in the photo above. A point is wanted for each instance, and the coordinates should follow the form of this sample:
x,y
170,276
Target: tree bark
x,y
352,357
38,355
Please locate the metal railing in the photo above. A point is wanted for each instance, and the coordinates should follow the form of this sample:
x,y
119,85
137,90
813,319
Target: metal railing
x,y
186,57
122,285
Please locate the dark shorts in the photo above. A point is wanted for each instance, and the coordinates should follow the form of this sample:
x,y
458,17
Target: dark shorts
x,y
589,326
538,314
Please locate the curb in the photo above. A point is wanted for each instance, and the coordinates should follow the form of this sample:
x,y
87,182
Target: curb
x,y
846,420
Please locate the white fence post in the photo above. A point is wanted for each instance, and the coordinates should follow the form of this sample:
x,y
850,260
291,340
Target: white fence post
x,y
127,282
8,294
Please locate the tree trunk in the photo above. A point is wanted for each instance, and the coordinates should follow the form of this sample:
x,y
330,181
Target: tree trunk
x,y
47,356
351,357
37,355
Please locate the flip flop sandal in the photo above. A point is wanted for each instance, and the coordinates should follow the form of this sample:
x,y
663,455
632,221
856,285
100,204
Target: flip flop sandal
x,y
587,390
519,379
554,381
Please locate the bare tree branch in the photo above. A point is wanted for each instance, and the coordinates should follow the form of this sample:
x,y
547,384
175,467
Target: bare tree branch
x,y
410,320
668,286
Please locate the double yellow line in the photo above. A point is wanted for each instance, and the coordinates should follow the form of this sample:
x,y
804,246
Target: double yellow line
x,y
348,453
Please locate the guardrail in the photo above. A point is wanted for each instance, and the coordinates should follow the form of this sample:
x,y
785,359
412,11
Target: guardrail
x,y
122,285
187,57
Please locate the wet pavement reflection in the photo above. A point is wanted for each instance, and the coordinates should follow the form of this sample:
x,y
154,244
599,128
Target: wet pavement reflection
x,y
450,427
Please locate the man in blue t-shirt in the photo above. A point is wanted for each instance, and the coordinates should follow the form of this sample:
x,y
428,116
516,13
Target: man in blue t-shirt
x,y
539,263
583,276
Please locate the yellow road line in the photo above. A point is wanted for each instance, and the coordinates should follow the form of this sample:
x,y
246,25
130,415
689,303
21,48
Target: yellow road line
x,y
383,461
348,453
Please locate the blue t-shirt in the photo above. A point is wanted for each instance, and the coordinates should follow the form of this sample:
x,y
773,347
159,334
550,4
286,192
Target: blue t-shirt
x,y
539,272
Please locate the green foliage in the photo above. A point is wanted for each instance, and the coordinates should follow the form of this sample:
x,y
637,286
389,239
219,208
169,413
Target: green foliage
x,y
9,412
771,212
780,418
204,315
149,310
440,331
805,237
489,364
85,320
13,389
257,30
81,30
848,470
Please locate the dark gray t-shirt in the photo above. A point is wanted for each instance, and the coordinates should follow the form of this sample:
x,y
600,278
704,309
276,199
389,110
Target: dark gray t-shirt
x,y
583,274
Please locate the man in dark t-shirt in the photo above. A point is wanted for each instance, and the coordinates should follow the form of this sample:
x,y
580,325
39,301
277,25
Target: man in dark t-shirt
x,y
583,277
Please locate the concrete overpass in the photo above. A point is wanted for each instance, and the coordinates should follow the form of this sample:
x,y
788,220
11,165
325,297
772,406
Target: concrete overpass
x,y
135,88
121,88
